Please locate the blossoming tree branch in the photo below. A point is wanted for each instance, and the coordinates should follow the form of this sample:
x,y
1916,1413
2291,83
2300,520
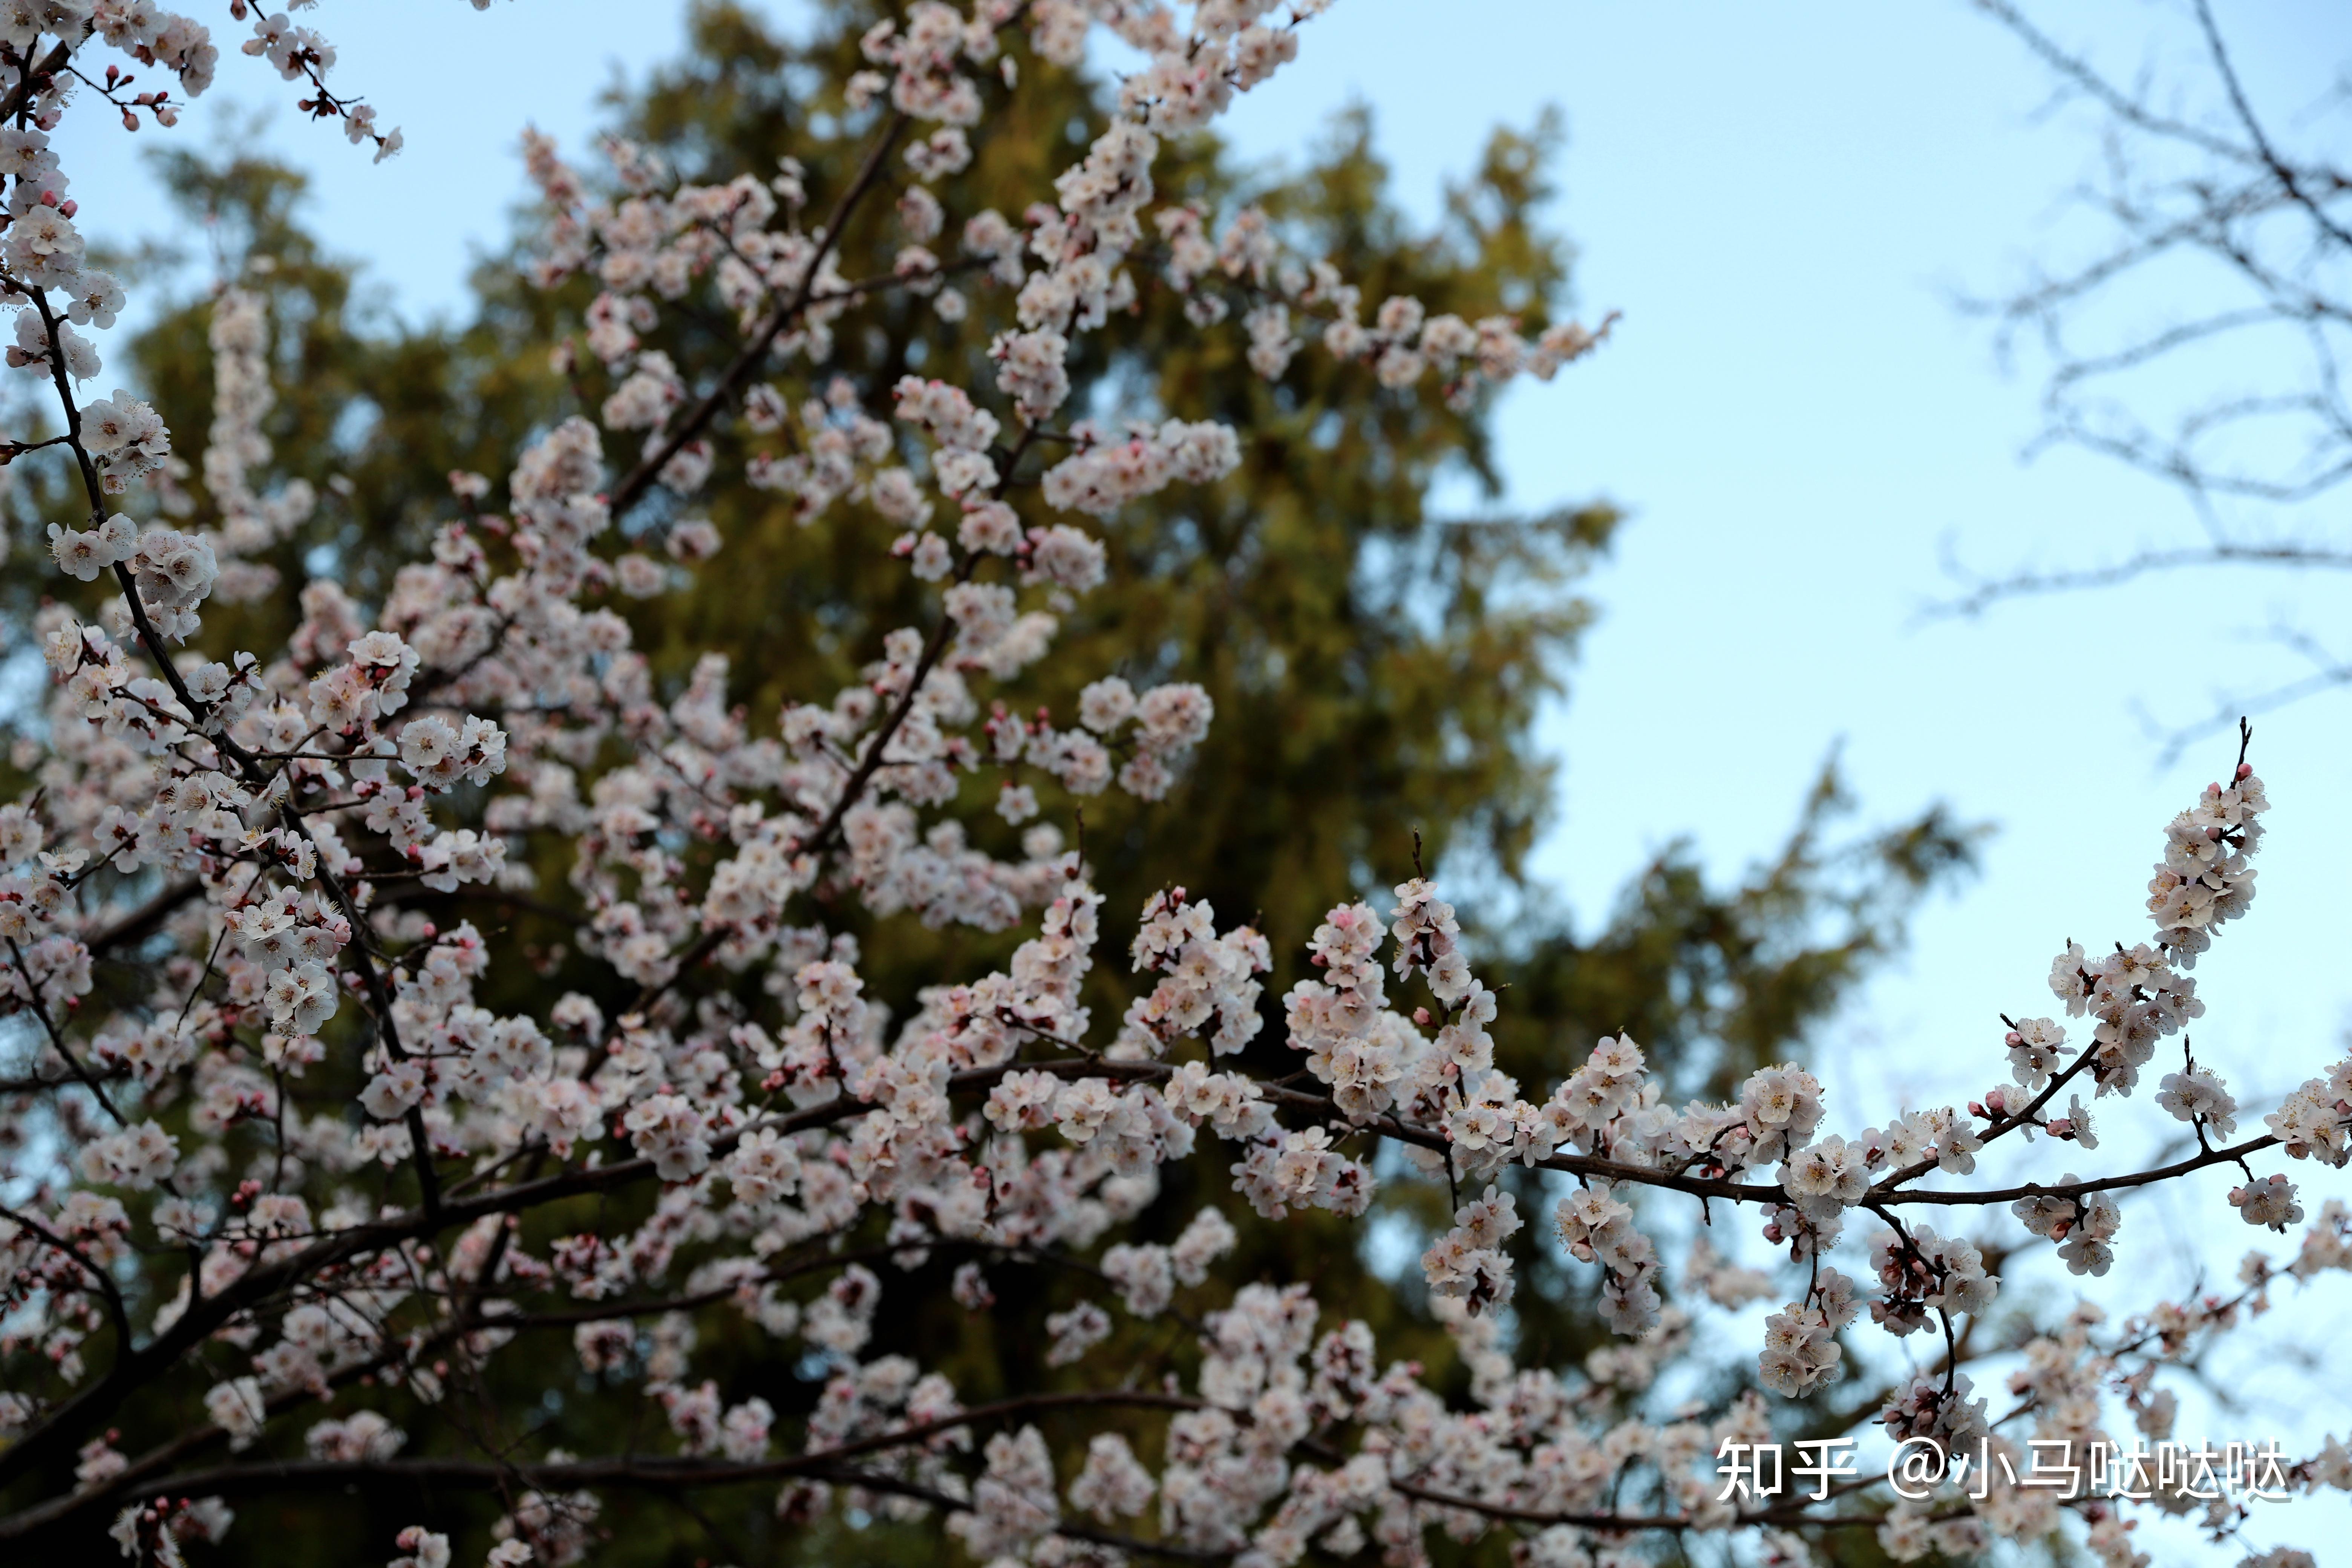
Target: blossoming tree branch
x,y
310,1289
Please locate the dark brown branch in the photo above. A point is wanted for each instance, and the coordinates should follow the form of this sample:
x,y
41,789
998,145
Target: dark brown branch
x,y
2197,1161
21,94
640,478
648,1470
142,921
2290,180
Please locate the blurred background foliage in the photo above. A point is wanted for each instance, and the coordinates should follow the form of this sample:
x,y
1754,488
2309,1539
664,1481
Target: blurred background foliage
x,y
1378,667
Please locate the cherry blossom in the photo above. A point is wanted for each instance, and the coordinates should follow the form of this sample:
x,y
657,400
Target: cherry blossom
x,y
299,851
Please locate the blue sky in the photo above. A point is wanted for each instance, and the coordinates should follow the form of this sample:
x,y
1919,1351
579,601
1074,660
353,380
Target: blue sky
x,y
1783,201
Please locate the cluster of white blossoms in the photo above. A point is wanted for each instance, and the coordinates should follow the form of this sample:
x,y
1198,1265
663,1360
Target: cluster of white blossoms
x,y
235,448
296,1105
